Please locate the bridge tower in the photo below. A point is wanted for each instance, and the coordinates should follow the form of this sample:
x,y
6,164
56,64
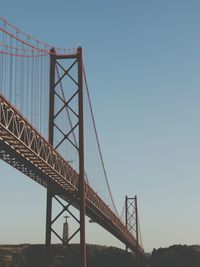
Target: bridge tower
x,y
131,213
57,80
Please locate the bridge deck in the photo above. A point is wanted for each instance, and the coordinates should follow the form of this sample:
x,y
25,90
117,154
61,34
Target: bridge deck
x,y
26,150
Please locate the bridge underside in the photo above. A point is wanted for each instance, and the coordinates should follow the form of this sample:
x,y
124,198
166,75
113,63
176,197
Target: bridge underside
x,y
24,149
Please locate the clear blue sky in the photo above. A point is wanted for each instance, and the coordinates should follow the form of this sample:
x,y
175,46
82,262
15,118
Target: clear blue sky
x,y
143,66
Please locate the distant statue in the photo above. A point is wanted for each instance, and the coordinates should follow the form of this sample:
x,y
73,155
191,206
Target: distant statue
x,y
65,231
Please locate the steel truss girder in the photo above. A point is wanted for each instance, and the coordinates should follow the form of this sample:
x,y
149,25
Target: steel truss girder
x,y
26,150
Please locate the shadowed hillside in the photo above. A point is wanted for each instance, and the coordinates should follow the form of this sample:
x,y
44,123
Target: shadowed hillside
x,y
34,255
97,256
176,256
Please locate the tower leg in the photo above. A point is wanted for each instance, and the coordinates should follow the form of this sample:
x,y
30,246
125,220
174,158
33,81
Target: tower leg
x,y
81,159
48,225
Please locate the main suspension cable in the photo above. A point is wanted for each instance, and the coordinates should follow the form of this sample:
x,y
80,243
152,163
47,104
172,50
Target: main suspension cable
x,y
97,139
14,28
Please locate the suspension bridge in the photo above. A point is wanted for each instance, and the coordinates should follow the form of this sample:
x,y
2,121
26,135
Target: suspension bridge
x,y
48,132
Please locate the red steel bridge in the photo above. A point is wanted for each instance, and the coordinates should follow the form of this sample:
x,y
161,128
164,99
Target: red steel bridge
x,y
48,132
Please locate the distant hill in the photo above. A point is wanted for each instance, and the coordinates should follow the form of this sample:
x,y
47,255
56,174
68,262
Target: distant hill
x,y
33,256
26,255
176,256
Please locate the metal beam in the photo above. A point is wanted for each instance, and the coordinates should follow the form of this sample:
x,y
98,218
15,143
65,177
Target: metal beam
x,y
81,159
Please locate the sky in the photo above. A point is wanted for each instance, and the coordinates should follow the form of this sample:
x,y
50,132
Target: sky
x,y
143,62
